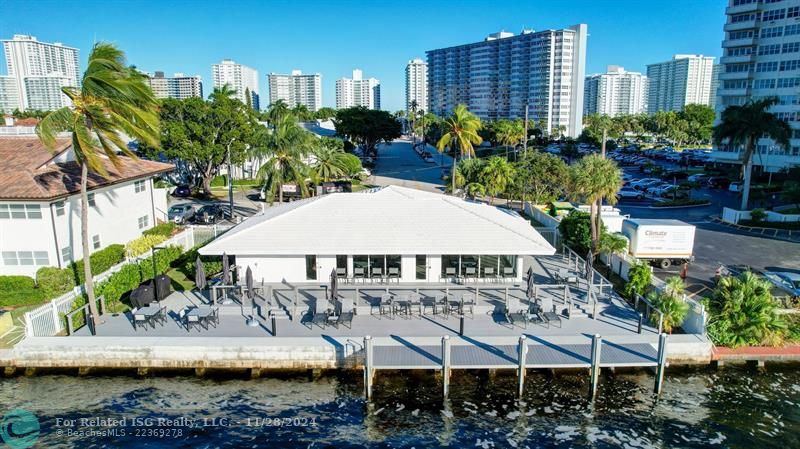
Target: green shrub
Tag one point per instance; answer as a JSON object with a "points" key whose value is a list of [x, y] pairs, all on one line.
{"points": [[54, 281], [101, 261], [19, 291], [185, 264], [639, 277], [758, 215], [16, 282], [575, 229], [143, 244], [121, 282], [165, 229], [790, 225], [681, 202]]}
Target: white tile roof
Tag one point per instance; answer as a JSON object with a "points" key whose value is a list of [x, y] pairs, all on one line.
{"points": [[389, 220]]}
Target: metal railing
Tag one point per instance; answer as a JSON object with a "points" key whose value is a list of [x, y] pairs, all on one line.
{"points": [[83, 313], [648, 310]]}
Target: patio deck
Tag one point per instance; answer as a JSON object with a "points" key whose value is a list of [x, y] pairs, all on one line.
{"points": [[614, 315]]}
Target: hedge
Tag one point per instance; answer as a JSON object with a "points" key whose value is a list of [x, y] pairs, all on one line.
{"points": [[682, 202], [55, 281], [19, 290], [101, 261], [131, 275], [165, 229], [789, 225], [144, 243], [185, 264]]}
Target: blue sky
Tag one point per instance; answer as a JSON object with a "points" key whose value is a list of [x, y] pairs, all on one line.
{"points": [[333, 37]]}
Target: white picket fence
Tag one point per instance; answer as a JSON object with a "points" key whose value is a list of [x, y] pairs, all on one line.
{"points": [[45, 320]]}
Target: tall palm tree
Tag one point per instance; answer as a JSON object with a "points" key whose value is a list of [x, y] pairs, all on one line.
{"points": [[496, 176], [593, 179], [412, 113], [743, 126], [277, 111], [113, 99], [226, 92], [285, 150], [330, 164], [460, 133], [613, 244]]}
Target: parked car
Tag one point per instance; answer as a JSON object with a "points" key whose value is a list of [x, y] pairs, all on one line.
{"points": [[180, 213], [671, 192], [719, 182], [628, 193], [735, 187], [182, 191], [209, 214], [653, 188], [786, 281], [642, 183], [699, 178], [679, 175]]}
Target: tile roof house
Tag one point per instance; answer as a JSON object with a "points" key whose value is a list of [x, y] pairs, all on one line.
{"points": [[40, 207]]}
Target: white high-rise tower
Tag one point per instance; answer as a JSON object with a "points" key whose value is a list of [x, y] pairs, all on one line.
{"points": [[357, 91], [296, 89], [615, 92], [240, 78], [417, 84]]}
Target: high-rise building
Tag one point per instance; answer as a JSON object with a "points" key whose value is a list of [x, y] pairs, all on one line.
{"points": [[497, 77], [9, 99], [179, 86], [240, 78], [357, 91], [685, 79], [714, 86], [38, 70], [615, 92], [296, 89], [761, 58], [417, 84]]}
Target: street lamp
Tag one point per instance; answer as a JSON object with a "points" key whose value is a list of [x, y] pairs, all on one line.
{"points": [[230, 178]]}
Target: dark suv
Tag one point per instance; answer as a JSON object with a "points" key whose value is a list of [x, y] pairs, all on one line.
{"points": [[719, 182]]}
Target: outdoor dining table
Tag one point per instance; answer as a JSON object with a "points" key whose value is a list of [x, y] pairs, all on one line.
{"points": [[148, 314], [203, 314]]}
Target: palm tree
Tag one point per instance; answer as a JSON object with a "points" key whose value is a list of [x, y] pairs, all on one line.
{"points": [[613, 244], [286, 148], [277, 111], [330, 164], [743, 126], [226, 92], [744, 312], [113, 99], [412, 113], [593, 179], [496, 176], [673, 310], [460, 133]]}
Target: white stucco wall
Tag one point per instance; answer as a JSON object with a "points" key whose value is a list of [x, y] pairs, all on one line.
{"points": [[114, 218]]}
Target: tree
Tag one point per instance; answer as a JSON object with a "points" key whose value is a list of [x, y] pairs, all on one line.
{"points": [[412, 113], [612, 244], [672, 307], [351, 165], [699, 120], [329, 164], [791, 193], [368, 127], [540, 175], [575, 230], [277, 111], [460, 133], [496, 176], [509, 132], [285, 149], [743, 126], [325, 113], [594, 179], [113, 99], [639, 277], [743, 312], [248, 99], [302, 113], [597, 124], [205, 133]]}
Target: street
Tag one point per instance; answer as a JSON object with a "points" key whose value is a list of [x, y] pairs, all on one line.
{"points": [[398, 164]]}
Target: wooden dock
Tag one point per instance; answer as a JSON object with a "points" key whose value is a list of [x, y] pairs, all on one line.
{"points": [[466, 353]]}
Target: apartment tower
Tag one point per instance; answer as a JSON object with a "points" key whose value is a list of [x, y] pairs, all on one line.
{"points": [[296, 89]]}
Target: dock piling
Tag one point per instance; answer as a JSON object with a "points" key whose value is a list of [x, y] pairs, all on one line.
{"points": [[446, 365], [522, 358], [368, 367], [461, 323], [639, 327], [662, 361], [597, 342]]}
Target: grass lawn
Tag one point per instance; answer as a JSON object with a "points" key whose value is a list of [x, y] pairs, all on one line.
{"points": [[360, 187], [179, 281]]}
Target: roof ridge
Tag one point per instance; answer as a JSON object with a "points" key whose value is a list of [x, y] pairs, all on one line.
{"points": [[450, 200]]}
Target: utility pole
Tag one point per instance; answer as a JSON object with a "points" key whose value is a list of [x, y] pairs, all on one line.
{"points": [[230, 178], [525, 139]]}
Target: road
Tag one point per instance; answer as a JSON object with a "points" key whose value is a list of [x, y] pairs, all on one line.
{"points": [[398, 164]]}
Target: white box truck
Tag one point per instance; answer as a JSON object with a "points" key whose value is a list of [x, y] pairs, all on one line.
{"points": [[662, 242]]}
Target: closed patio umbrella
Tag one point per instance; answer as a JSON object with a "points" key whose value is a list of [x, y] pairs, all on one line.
{"points": [[226, 270], [588, 267], [251, 295], [531, 283], [334, 285], [199, 274]]}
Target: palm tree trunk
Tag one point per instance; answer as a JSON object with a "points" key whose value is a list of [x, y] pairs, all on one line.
{"points": [[87, 265], [593, 224], [280, 193], [748, 171]]}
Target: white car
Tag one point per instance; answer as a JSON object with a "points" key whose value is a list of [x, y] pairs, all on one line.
{"points": [[642, 183], [630, 194]]}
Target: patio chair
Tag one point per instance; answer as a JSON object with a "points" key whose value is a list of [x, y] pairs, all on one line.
{"points": [[161, 316], [358, 273], [377, 273], [561, 275], [470, 273], [139, 319], [535, 312], [386, 305], [341, 274], [489, 274], [515, 313], [322, 311], [213, 319], [450, 273], [508, 274], [394, 273], [468, 304], [191, 320], [415, 302], [429, 302], [548, 311], [346, 311]]}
